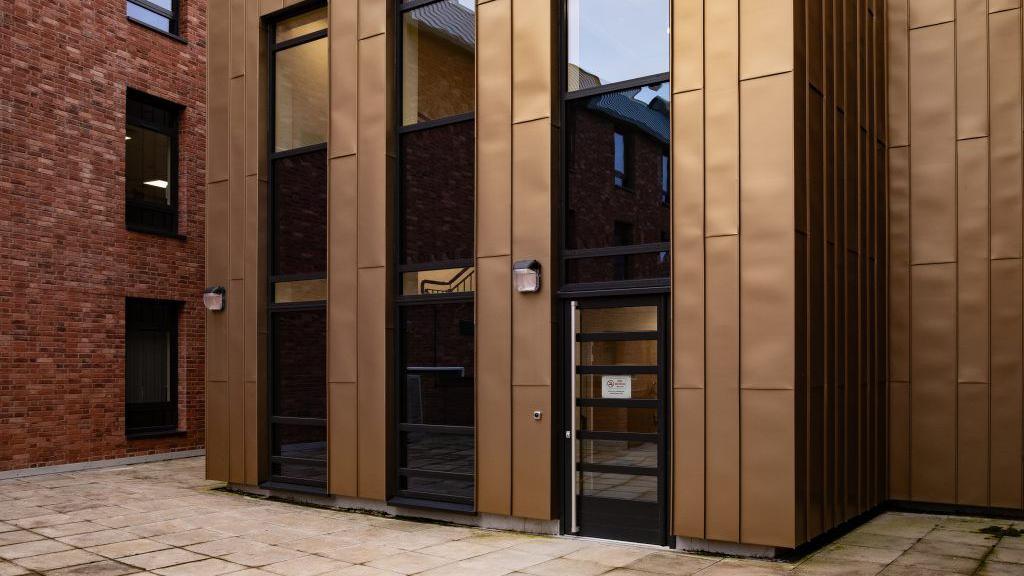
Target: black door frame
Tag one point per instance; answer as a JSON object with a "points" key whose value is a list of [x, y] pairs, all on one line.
{"points": [[567, 405]]}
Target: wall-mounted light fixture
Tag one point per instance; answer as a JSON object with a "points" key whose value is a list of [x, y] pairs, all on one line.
{"points": [[526, 276], [213, 298]]}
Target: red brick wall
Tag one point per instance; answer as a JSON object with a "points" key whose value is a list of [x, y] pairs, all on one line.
{"points": [[66, 261]]}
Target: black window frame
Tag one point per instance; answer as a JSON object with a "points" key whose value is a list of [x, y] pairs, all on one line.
{"points": [[272, 480], [135, 208], [397, 495], [173, 17], [164, 413]]}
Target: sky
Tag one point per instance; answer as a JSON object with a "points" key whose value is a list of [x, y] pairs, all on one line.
{"points": [[619, 39]]}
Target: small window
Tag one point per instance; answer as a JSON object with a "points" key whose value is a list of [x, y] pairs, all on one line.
{"points": [[151, 366], [666, 182], [622, 154], [151, 158], [438, 55], [161, 15]]}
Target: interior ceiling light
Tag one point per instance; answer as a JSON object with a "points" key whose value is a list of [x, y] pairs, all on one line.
{"points": [[157, 183]]}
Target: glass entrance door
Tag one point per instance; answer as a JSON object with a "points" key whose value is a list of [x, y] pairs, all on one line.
{"points": [[617, 436]]}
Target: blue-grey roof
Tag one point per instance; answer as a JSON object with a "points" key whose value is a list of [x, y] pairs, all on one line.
{"points": [[652, 118], [450, 19]]}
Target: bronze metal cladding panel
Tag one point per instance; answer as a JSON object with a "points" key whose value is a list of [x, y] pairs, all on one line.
{"points": [[687, 45], [933, 133], [971, 68], [933, 389], [237, 176], [236, 383], [688, 238], [236, 39], [1005, 62], [531, 452], [341, 255], [531, 58], [342, 439], [688, 455], [999, 5], [1007, 373], [531, 239], [768, 468], [218, 130], [494, 384], [972, 260], [255, 93], [372, 380], [928, 12], [972, 445], [254, 298], [372, 17], [899, 73], [899, 264], [253, 423], [268, 6], [372, 157], [494, 129], [344, 64], [723, 418], [766, 37], [722, 117], [768, 241], [218, 209], [217, 433], [899, 440]]}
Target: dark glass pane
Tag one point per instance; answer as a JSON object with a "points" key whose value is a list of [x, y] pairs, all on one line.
{"points": [[437, 194], [611, 268], [619, 486], [605, 419], [150, 365], [302, 24], [438, 45], [165, 4], [641, 386], [300, 363], [306, 442], [439, 452], [147, 176], [613, 41], [618, 353], [148, 17], [314, 473], [443, 281], [300, 291], [619, 453], [438, 364], [439, 487], [616, 194], [622, 319], [300, 214], [300, 96]]}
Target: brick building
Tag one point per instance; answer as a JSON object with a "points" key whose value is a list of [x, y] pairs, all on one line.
{"points": [[102, 172]]}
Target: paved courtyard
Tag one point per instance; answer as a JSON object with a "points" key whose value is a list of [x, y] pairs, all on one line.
{"points": [[163, 518]]}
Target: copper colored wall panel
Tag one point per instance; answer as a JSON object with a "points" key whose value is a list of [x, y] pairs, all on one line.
{"points": [[341, 257], [971, 68], [494, 129], [218, 118], [899, 264], [218, 244], [897, 47], [217, 434], [972, 445], [344, 54], [494, 384], [688, 240], [928, 12], [342, 434], [1005, 62], [687, 45], [372, 393], [723, 416], [767, 241], [372, 157], [933, 134], [372, 17], [768, 467], [899, 440], [688, 457], [933, 389], [531, 453], [722, 117], [532, 41], [1007, 374], [973, 261], [1000, 5], [766, 37]]}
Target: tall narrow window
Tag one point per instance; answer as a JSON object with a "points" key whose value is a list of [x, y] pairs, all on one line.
{"points": [[151, 366], [617, 137], [436, 416], [151, 159], [298, 251], [159, 14]]}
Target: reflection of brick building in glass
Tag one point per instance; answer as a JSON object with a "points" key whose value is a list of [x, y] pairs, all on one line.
{"points": [[618, 182]]}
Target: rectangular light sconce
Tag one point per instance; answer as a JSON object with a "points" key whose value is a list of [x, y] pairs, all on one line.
{"points": [[526, 276]]}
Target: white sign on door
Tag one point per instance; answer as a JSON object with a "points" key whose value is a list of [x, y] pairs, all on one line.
{"points": [[616, 387]]}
